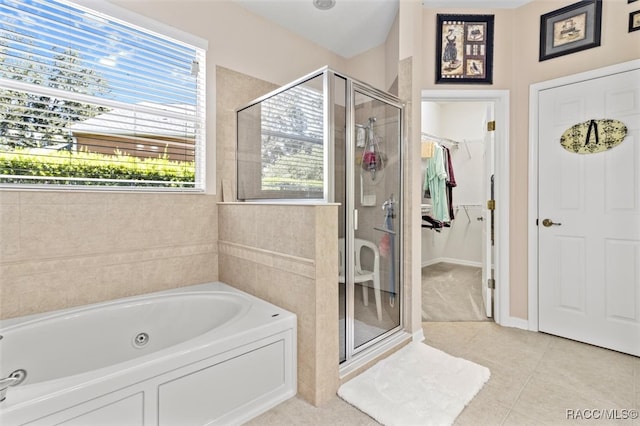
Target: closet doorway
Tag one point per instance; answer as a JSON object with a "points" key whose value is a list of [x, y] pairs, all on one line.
{"points": [[459, 236]]}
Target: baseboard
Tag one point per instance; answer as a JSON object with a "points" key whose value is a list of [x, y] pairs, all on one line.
{"points": [[515, 323], [430, 262], [418, 336], [451, 260]]}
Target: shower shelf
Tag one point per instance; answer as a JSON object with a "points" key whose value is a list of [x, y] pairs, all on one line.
{"points": [[383, 229]]}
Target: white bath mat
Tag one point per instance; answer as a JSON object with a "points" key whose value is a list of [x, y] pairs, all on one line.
{"points": [[418, 385]]}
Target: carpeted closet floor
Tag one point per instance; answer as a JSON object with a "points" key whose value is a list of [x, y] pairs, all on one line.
{"points": [[452, 292]]}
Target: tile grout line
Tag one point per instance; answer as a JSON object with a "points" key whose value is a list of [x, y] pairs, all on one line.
{"points": [[526, 383]]}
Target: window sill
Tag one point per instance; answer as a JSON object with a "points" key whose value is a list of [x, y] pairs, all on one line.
{"points": [[278, 203], [105, 189]]}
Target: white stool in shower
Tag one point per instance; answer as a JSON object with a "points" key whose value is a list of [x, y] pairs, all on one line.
{"points": [[363, 275]]}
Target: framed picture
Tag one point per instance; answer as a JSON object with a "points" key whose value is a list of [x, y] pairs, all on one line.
{"points": [[464, 49], [634, 21], [571, 29]]}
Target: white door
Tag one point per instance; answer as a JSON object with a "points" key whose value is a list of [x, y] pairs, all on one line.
{"points": [[589, 259], [487, 230]]}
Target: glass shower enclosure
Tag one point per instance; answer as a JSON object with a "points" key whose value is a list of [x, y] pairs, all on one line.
{"points": [[329, 137]]}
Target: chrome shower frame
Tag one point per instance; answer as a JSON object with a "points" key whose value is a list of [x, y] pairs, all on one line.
{"points": [[355, 357]]}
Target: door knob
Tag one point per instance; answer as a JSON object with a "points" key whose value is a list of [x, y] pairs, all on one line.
{"points": [[549, 222]]}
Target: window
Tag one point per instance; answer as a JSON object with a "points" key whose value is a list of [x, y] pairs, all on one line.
{"points": [[281, 145], [88, 99]]}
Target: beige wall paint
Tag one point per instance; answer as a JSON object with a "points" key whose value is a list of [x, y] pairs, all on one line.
{"points": [[392, 55], [502, 48], [516, 67], [239, 39], [370, 64], [410, 70], [378, 67], [245, 42]]}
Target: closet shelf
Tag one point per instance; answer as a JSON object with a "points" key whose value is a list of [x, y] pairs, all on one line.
{"points": [[466, 208], [454, 144]]}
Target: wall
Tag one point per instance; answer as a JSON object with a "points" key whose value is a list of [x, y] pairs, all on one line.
{"points": [[365, 63], [516, 67], [410, 71], [378, 66], [503, 59], [233, 90], [63, 249], [392, 47], [239, 39], [286, 254]]}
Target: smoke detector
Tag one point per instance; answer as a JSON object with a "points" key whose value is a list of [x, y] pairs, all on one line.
{"points": [[324, 4]]}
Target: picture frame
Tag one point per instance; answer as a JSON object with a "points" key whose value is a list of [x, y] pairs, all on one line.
{"points": [[634, 21], [464, 49], [570, 29]]}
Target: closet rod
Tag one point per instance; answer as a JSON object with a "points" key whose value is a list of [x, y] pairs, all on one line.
{"points": [[455, 144], [440, 139], [466, 208]]}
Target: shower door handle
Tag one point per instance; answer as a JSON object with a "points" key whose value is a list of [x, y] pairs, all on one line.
{"points": [[355, 219]]}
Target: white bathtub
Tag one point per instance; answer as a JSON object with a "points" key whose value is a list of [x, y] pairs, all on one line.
{"points": [[213, 355]]}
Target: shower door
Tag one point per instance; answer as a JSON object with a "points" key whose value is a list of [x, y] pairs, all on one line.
{"points": [[371, 238]]}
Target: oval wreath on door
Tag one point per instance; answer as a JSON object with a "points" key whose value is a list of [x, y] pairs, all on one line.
{"points": [[593, 136]]}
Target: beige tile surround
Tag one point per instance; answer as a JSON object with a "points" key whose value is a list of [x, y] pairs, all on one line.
{"points": [[233, 90], [286, 255], [270, 250], [68, 248]]}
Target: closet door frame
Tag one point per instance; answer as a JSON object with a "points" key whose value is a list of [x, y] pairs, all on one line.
{"points": [[500, 101]]}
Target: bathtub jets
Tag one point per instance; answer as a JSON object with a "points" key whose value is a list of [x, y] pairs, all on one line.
{"points": [[194, 355]]}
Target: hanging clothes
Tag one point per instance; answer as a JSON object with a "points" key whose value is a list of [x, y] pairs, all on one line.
{"points": [[435, 182], [451, 182]]}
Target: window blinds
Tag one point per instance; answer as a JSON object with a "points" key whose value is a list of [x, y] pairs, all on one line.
{"points": [[281, 145], [292, 141], [87, 99]]}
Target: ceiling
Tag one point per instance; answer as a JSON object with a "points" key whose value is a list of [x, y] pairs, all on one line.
{"points": [[351, 27]]}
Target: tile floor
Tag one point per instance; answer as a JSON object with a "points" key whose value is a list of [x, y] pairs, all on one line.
{"points": [[535, 379]]}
